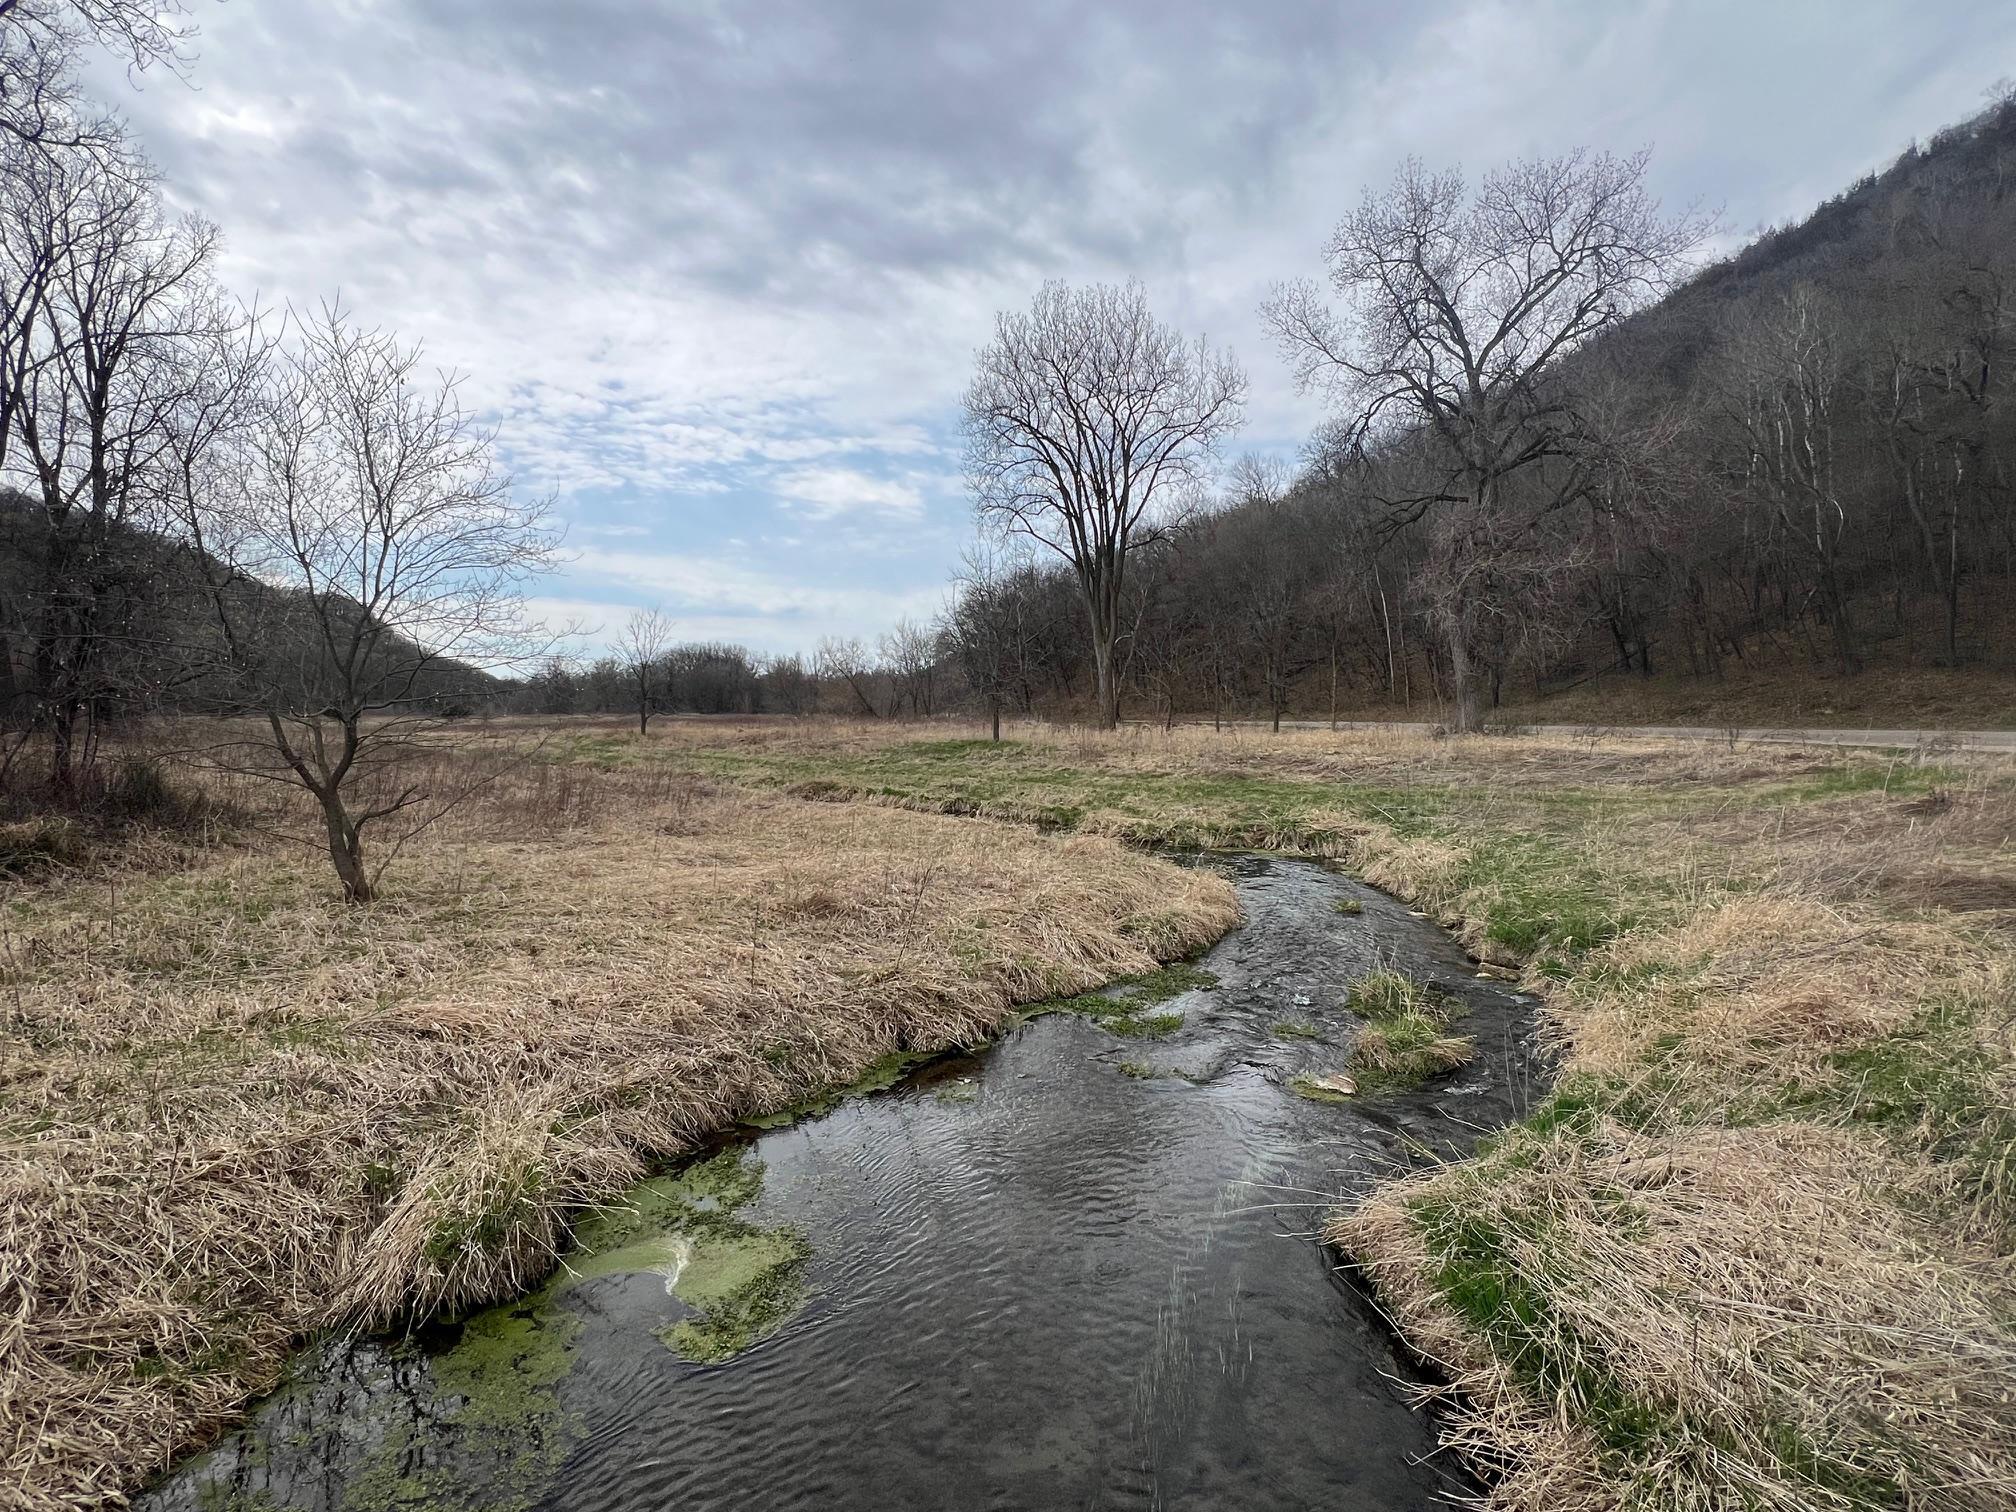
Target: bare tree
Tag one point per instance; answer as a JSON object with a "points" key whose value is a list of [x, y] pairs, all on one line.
{"points": [[41, 42], [1264, 540], [1086, 421], [981, 626], [844, 661], [788, 687], [371, 501], [1460, 313], [1792, 365], [104, 306], [641, 648], [911, 653]]}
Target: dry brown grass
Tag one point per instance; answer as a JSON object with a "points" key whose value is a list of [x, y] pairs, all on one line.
{"points": [[1757, 1320], [1760, 1250], [1758, 1255], [1598, 759], [236, 1111]]}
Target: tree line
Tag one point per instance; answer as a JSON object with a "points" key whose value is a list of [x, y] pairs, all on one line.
{"points": [[1558, 447]]}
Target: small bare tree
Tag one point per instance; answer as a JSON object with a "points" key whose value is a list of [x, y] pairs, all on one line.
{"points": [[1460, 313], [365, 557], [844, 662], [641, 647], [1087, 420], [981, 627], [911, 653]]}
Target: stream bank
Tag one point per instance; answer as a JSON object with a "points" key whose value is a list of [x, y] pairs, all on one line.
{"points": [[1076, 1268]]}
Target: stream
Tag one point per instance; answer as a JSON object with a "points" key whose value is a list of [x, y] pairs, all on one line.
{"points": [[1075, 1269]]}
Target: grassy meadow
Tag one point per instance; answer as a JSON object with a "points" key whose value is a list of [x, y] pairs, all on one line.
{"points": [[1754, 1252], [1758, 1249], [236, 1111]]}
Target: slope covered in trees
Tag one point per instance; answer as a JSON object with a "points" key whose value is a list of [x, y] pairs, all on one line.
{"points": [[1804, 466]]}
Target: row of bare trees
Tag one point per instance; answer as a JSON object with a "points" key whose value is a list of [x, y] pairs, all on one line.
{"points": [[909, 672], [1556, 448], [287, 519]]}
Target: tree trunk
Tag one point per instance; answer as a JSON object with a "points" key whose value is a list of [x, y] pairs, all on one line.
{"points": [[1463, 685], [346, 850], [63, 741], [994, 708], [1107, 698]]}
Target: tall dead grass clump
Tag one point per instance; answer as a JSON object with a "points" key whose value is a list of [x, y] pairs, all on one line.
{"points": [[1704, 1322], [1756, 1250]]}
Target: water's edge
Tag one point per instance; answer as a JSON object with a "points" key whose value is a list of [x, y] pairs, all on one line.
{"points": [[1058, 1270]]}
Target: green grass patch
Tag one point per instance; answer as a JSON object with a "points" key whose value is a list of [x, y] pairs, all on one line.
{"points": [[1309, 1087], [1404, 1040], [1936, 1087]]}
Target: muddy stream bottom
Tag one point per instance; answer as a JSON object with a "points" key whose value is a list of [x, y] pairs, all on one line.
{"points": [[1074, 1270]]}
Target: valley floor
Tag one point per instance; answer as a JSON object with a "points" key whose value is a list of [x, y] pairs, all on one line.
{"points": [[1758, 1249], [1755, 1250]]}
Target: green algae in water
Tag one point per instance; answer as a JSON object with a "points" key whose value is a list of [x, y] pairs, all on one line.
{"points": [[880, 1075], [1119, 1009], [743, 1281], [507, 1366], [491, 1432], [745, 1287], [1145, 1026]]}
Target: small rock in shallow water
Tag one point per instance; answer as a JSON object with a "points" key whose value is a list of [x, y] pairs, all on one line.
{"points": [[1332, 1087]]}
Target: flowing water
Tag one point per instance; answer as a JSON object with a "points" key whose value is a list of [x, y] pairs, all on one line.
{"points": [[1074, 1270]]}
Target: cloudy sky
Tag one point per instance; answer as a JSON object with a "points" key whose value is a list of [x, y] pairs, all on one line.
{"points": [[718, 270]]}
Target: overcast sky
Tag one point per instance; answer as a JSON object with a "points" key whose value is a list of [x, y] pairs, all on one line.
{"points": [[718, 270]]}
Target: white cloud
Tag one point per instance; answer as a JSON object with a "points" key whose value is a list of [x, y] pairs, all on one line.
{"points": [[822, 493], [686, 581]]}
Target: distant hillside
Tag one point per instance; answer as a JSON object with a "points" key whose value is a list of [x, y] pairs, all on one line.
{"points": [[1823, 496], [1893, 216], [141, 600]]}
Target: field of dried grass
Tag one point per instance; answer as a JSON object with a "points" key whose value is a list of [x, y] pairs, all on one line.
{"points": [[234, 1111], [1758, 1251]]}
